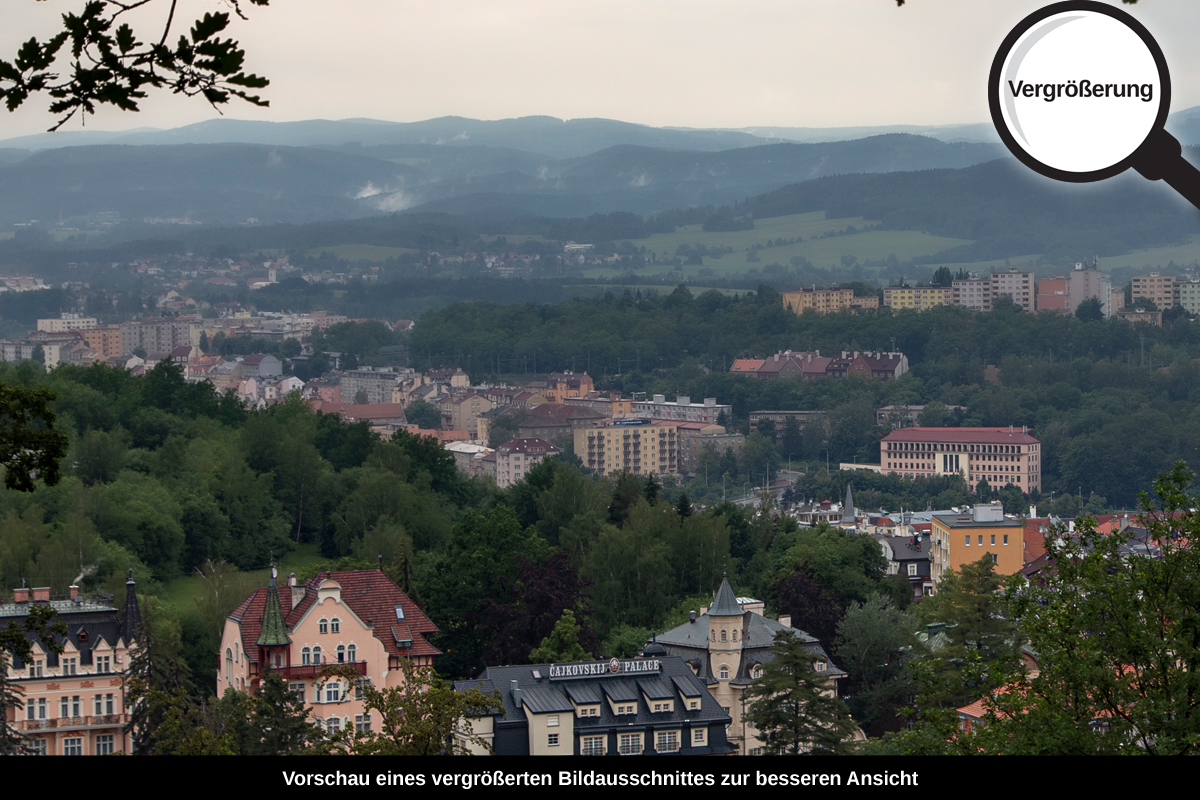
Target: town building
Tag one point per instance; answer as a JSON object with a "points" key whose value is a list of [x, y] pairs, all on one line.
{"points": [[557, 423], [1052, 294], [1087, 281], [963, 538], [811, 365], [974, 293], [652, 704], [358, 620], [998, 455], [66, 321], [819, 301], [517, 456], [371, 384], [1136, 315], [918, 298], [728, 645], [74, 701], [909, 556], [1160, 289], [461, 412], [694, 445], [1020, 286], [682, 409], [1187, 293], [636, 446]]}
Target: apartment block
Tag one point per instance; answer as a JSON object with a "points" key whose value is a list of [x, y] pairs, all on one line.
{"points": [[974, 293], [636, 446], [959, 539], [1187, 294], [1052, 294], [66, 322], [1155, 287], [1017, 285], [821, 301], [917, 298], [1087, 281], [682, 409]]}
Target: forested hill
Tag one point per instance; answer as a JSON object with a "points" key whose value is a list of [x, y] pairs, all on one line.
{"points": [[1006, 208]]}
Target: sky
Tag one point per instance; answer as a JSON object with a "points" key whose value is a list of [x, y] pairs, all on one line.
{"points": [[687, 63]]}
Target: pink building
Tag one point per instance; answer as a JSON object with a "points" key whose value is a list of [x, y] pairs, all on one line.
{"points": [[74, 702], [1001, 456], [516, 457], [358, 619]]}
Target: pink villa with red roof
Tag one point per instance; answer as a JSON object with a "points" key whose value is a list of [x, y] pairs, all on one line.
{"points": [[358, 619], [998, 455]]}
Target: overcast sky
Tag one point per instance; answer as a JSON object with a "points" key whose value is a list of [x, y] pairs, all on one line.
{"points": [[695, 63]]}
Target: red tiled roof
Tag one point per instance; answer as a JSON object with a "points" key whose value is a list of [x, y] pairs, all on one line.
{"points": [[746, 365], [369, 593], [961, 436]]}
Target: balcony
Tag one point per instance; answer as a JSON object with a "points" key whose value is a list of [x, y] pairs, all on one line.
{"points": [[311, 671], [72, 723]]}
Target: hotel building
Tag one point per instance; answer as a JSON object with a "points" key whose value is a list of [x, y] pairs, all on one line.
{"points": [[998, 455]]}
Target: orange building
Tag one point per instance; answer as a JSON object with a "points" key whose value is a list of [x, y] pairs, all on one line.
{"points": [[74, 703], [959, 539], [359, 619]]}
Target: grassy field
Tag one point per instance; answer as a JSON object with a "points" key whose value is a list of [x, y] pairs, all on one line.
{"points": [[183, 593], [1181, 254], [361, 252], [822, 251]]}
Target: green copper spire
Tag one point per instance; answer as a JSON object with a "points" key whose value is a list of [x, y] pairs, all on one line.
{"points": [[273, 632], [725, 604]]}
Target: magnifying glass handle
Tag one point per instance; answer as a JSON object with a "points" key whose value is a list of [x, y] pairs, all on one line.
{"points": [[1161, 158]]}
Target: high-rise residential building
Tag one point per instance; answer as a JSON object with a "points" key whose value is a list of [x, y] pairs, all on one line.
{"points": [[636, 446], [1017, 285], [1158, 288], [1187, 292], [1087, 281], [974, 293], [517, 456], [1001, 456], [73, 702], [66, 322]]}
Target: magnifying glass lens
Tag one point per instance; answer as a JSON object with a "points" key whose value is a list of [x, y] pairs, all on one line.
{"points": [[1078, 93]]}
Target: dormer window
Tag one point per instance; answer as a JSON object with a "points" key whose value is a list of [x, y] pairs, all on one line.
{"points": [[323, 626], [757, 671], [819, 666]]}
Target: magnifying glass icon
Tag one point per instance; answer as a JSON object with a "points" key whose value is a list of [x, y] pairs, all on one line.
{"points": [[1079, 91]]}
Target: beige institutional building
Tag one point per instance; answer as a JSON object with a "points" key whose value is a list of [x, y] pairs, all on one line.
{"points": [[727, 647], [998, 455]]}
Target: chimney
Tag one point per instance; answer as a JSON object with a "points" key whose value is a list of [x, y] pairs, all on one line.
{"points": [[41, 595], [703, 610], [692, 617], [785, 620], [74, 592], [21, 595], [516, 692]]}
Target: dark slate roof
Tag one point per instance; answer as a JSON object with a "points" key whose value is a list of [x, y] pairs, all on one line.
{"points": [[86, 627], [725, 604], [675, 678]]}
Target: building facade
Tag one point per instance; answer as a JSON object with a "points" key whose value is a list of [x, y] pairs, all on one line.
{"points": [[1020, 286], [74, 701], [959, 539], [648, 705], [358, 620], [682, 409], [820, 301], [917, 298], [1001, 456], [1161, 289], [727, 647], [636, 446], [517, 456]]}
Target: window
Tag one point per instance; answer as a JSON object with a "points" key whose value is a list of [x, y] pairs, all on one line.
{"points": [[335, 626], [722, 636], [35, 669], [76, 707], [698, 735], [37, 746], [592, 746], [693, 705], [228, 664], [299, 690], [1006, 538], [41, 708], [333, 725], [968, 540], [98, 705], [333, 693], [104, 745], [323, 626], [317, 654], [819, 666], [341, 654], [981, 540], [912, 569], [108, 704], [667, 742], [359, 683], [552, 721], [63, 707], [306, 656], [30, 709], [73, 746], [362, 723], [352, 654], [69, 666], [993, 538], [724, 672], [756, 671], [993, 558], [629, 744], [552, 740], [103, 664]]}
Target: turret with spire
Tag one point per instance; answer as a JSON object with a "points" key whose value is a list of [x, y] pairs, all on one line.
{"points": [[848, 508], [131, 625], [274, 644]]}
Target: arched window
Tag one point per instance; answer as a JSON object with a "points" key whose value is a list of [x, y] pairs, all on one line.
{"points": [[335, 626], [352, 654], [714, 636], [323, 626], [228, 664], [306, 656], [722, 636], [735, 634], [341, 654], [724, 672], [317, 654]]}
